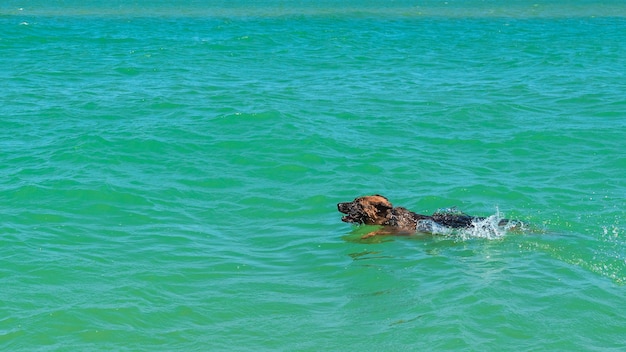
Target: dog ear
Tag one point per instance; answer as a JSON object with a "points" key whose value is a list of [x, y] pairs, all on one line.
{"points": [[383, 207], [383, 203]]}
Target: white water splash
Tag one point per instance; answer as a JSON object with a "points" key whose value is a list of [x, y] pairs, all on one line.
{"points": [[429, 226], [487, 228], [490, 227]]}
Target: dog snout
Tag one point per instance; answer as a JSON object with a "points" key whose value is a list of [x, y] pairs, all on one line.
{"points": [[343, 207]]}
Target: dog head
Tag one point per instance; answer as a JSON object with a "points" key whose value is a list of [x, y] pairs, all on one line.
{"points": [[368, 210]]}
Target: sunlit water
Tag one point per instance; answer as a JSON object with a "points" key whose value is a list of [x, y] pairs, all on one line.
{"points": [[170, 175]]}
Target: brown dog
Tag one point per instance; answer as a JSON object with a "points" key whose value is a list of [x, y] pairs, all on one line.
{"points": [[377, 210]]}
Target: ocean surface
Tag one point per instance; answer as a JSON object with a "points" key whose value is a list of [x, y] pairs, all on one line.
{"points": [[169, 173]]}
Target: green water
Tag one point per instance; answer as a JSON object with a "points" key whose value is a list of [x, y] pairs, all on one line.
{"points": [[170, 172]]}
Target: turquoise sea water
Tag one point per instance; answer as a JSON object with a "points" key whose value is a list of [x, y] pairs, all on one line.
{"points": [[170, 172]]}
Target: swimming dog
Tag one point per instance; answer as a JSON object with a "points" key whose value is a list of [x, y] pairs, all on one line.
{"points": [[377, 210]]}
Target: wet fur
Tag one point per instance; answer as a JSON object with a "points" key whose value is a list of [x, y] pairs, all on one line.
{"points": [[377, 210]]}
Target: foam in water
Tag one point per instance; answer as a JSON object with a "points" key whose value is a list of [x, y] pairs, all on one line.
{"points": [[490, 228]]}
